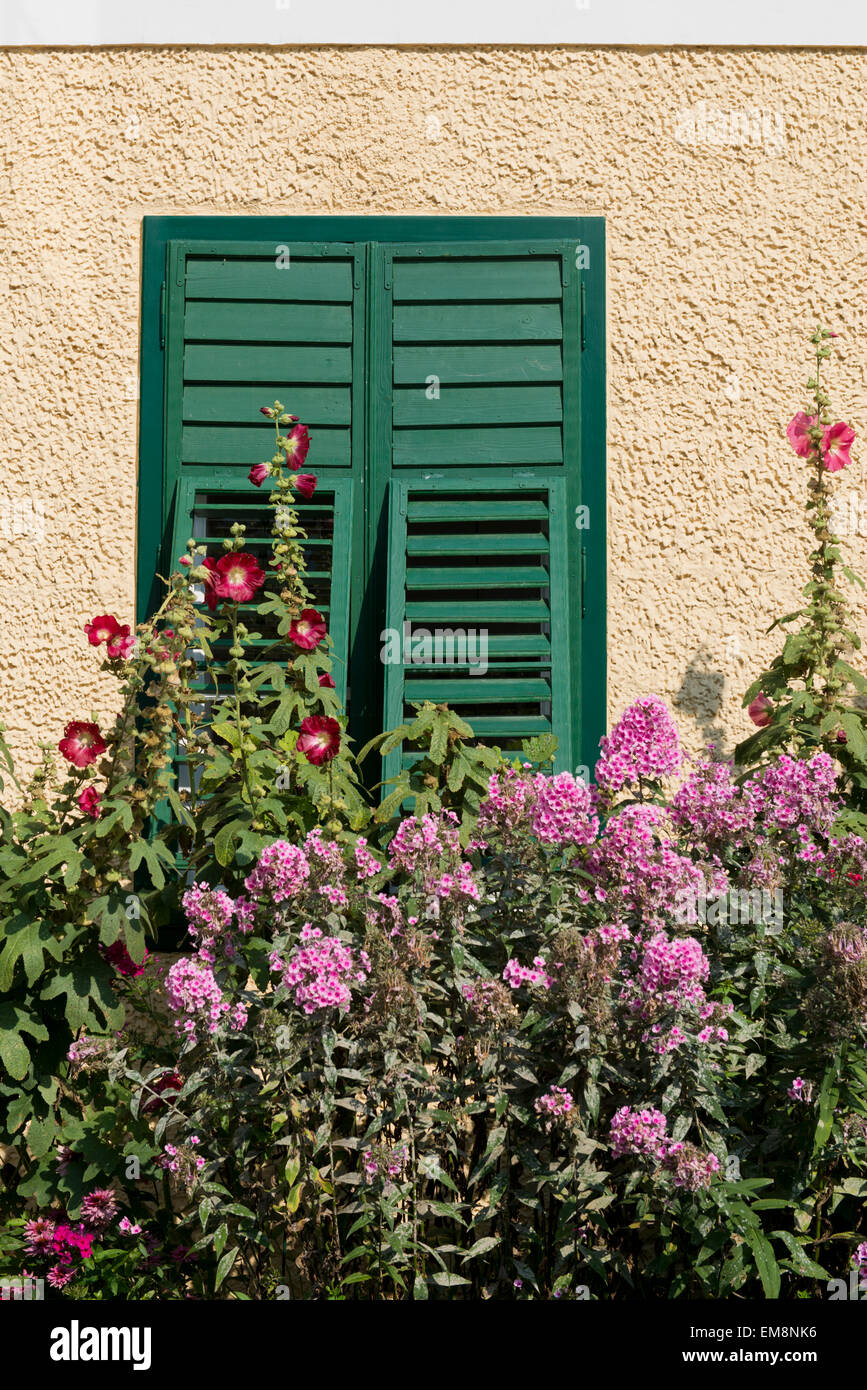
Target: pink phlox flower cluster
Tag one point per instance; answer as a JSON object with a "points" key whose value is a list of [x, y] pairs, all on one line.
{"points": [[638, 1132], [210, 913], [385, 1161], [319, 971], [792, 792], [327, 867], [197, 1000], [516, 975], [367, 864], [128, 1228], [555, 1103], [388, 915], [428, 848], [505, 810], [711, 807], [691, 1168], [281, 872], [801, 1090], [674, 969], [646, 876], [643, 744], [563, 810]]}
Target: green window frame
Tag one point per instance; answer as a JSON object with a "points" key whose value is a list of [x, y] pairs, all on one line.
{"points": [[509, 314]]}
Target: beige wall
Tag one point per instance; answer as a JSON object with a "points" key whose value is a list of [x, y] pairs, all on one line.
{"points": [[720, 260]]}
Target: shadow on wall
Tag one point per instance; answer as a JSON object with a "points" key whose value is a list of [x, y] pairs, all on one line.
{"points": [[701, 697]]}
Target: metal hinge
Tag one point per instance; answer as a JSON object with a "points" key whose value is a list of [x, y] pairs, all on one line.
{"points": [[583, 316], [163, 315]]}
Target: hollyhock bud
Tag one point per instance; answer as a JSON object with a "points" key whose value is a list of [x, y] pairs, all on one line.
{"points": [[266, 410], [797, 431], [305, 483], [760, 711], [287, 419], [89, 800], [319, 739], [327, 681], [837, 440], [308, 630], [258, 473], [185, 560], [82, 743]]}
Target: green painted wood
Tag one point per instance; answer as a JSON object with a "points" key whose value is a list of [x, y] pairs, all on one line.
{"points": [[488, 364], [234, 363], [244, 444], [476, 690], [488, 322], [316, 405], [468, 509], [466, 448], [478, 577], [326, 281], [247, 322], [524, 279], [496, 543], [478, 405]]}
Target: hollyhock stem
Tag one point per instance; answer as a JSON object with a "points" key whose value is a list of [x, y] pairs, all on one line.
{"points": [[239, 724]]}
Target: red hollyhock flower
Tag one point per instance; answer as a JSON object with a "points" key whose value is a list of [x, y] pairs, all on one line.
{"points": [[258, 473], [308, 630], [305, 483], [121, 644], [211, 598], [89, 801], [102, 629], [797, 431], [319, 739], [238, 577], [118, 956], [168, 1081], [297, 444], [760, 711], [836, 443], [82, 743], [327, 680]]}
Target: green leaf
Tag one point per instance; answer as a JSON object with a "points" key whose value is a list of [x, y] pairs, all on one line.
{"points": [[225, 1265], [221, 1235], [766, 1263], [800, 1259]]}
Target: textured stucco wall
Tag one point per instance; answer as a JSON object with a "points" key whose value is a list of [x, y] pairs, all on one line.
{"points": [[721, 256]]}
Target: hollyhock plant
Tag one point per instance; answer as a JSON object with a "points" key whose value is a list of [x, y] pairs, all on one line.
{"points": [[238, 577], [319, 739], [297, 446], [102, 629], [837, 440], [122, 645], [761, 710], [88, 800], [82, 743], [308, 630], [798, 431], [305, 483]]}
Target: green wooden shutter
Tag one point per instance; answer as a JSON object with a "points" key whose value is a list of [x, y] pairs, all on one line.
{"points": [[488, 556], [482, 437], [248, 323]]}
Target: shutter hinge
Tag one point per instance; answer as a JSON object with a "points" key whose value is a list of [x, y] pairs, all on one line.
{"points": [[163, 315], [583, 579], [583, 316]]}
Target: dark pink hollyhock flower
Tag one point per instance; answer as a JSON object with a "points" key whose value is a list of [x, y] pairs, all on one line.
{"points": [[798, 436], [327, 681], [117, 955], [308, 630], [238, 577], [211, 596], [760, 711], [258, 473], [121, 644], [836, 443], [319, 739], [305, 483], [82, 743], [102, 629], [297, 444], [89, 801]]}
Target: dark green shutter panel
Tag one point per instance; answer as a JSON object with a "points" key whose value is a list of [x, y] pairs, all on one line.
{"points": [[483, 436], [484, 557], [248, 323]]}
